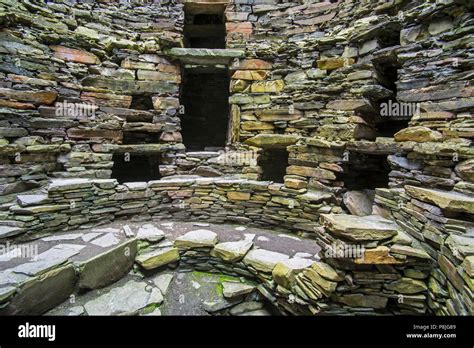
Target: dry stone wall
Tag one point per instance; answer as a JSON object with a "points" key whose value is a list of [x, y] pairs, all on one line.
{"points": [[362, 96]]}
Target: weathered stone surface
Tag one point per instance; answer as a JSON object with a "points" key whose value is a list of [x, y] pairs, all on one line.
{"points": [[285, 271], [325, 286], [311, 172], [407, 286], [468, 266], [232, 251], [326, 271], [354, 228], [264, 260], [377, 256], [205, 56], [43, 292], [419, 134], [156, 258], [363, 300], [150, 233], [91, 134], [127, 299], [238, 196], [254, 64], [36, 97], [162, 282], [359, 202], [334, 63], [449, 200], [272, 141], [107, 267], [74, 55], [234, 289], [409, 251], [196, 239], [465, 170], [8, 231]]}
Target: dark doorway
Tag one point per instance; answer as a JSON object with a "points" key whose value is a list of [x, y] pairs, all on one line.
{"points": [[133, 168], [204, 30], [205, 96], [365, 171], [273, 164]]}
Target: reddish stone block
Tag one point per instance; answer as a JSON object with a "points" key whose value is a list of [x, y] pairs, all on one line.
{"points": [[74, 55], [240, 27]]}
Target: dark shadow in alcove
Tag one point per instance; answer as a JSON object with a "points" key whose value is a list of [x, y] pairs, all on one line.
{"points": [[365, 171], [139, 167], [388, 125], [273, 164], [204, 30], [205, 96], [141, 102], [133, 138]]}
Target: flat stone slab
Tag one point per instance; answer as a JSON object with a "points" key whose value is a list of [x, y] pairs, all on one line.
{"points": [[234, 289], [205, 55], [232, 251], [409, 251], [8, 231], [150, 233], [59, 185], [70, 236], [27, 200], [264, 260], [449, 200], [127, 299], [49, 259], [109, 266], [157, 258], [105, 241], [272, 141], [136, 186], [196, 239], [163, 281], [359, 228]]}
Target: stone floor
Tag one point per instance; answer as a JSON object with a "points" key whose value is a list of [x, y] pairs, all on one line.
{"points": [[169, 292]]}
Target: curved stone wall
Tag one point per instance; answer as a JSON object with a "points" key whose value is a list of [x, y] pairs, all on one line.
{"points": [[308, 78]]}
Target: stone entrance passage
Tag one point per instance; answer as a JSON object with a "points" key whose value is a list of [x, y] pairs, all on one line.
{"points": [[205, 95], [273, 164], [135, 167]]}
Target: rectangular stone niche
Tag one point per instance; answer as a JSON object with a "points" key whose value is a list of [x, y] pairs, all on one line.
{"points": [[204, 25], [205, 96], [132, 167], [365, 171], [273, 164]]}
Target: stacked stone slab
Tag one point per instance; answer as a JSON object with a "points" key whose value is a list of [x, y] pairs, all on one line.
{"points": [[306, 78], [439, 222], [72, 203]]}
